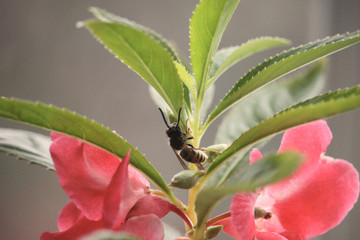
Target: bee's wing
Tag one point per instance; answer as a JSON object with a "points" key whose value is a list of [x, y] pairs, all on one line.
{"points": [[180, 159]]}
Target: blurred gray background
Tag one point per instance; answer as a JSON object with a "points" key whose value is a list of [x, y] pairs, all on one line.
{"points": [[44, 57]]}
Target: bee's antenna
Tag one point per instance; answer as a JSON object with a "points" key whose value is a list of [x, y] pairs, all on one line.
{"points": [[178, 117], [164, 118]]}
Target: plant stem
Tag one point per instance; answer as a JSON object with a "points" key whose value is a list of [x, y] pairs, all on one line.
{"points": [[197, 134], [218, 218]]}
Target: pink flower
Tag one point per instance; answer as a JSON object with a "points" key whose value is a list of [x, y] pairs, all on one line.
{"points": [[310, 202], [105, 193]]}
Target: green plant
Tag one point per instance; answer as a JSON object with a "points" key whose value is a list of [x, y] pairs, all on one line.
{"points": [[179, 86]]}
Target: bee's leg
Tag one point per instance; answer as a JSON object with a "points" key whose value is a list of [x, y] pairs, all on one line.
{"points": [[208, 150], [187, 132], [190, 145], [187, 128], [180, 160], [200, 166]]}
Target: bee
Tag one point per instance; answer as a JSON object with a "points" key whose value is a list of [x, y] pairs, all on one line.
{"points": [[178, 143]]}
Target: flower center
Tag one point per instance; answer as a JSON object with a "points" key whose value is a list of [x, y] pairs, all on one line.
{"points": [[261, 213]]}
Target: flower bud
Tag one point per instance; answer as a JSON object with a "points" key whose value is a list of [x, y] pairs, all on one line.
{"points": [[213, 231], [214, 151], [186, 179]]}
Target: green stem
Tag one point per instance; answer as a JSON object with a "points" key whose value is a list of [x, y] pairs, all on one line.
{"points": [[171, 197], [197, 134]]}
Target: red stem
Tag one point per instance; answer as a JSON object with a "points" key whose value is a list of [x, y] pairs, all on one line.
{"points": [[218, 219]]}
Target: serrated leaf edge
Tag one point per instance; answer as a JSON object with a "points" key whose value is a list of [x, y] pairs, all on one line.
{"points": [[158, 86], [255, 72]]}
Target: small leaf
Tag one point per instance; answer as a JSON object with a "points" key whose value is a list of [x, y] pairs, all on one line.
{"points": [[280, 65], [186, 78], [207, 101], [144, 54], [72, 124], [26, 145], [268, 170], [323, 106], [189, 82], [207, 26], [227, 57]]}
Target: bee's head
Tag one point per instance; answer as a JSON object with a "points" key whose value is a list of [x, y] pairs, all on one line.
{"points": [[173, 129]]}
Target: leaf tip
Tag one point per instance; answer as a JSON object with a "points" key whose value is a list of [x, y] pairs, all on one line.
{"points": [[80, 24], [93, 9]]}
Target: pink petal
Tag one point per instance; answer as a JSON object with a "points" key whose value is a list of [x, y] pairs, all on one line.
{"points": [[81, 228], [321, 202], [55, 135], [292, 236], [151, 204], [255, 155], [82, 184], [229, 228], [85, 172], [242, 214], [265, 201], [68, 216], [137, 180], [311, 140], [121, 196], [102, 164], [115, 192], [148, 227], [269, 236]]}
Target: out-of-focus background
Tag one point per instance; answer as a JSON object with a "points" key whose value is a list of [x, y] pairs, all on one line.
{"points": [[44, 57]]}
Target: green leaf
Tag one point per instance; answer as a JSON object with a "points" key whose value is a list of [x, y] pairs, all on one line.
{"points": [[157, 99], [280, 65], [226, 171], [323, 106], [26, 145], [267, 101], [268, 170], [207, 26], [72, 124], [186, 78], [105, 16], [258, 107], [189, 84], [227, 57], [207, 101], [144, 54], [187, 99], [272, 168]]}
